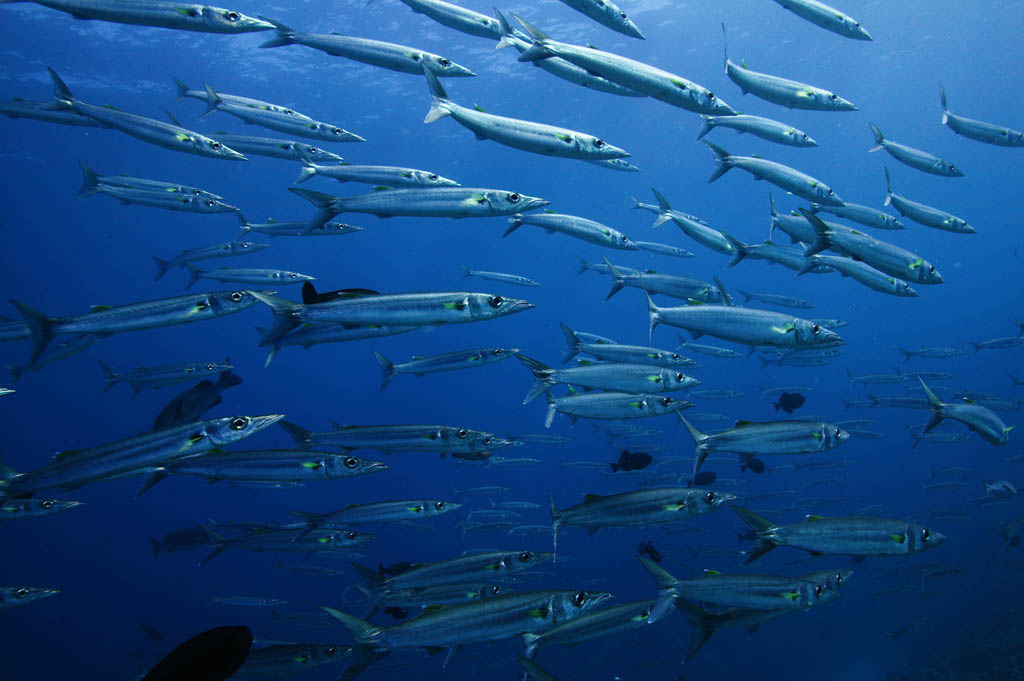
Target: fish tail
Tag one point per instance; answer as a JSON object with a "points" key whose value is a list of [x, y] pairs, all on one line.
{"points": [[653, 316], [514, 223], [109, 375], [707, 124], [584, 266], [906, 355], [821, 240], [772, 216], [156, 546], [16, 372], [312, 521], [151, 479], [722, 159], [667, 592], [945, 106], [663, 203], [90, 183], [556, 525], [977, 346], [62, 97], [285, 316], [212, 100], [375, 583], [572, 341], [879, 138], [740, 249], [161, 267], [506, 30], [303, 438], [888, 188], [324, 203], [537, 50], [182, 89], [550, 416], [195, 274], [723, 294], [41, 328], [285, 35], [542, 377], [218, 542], [361, 630], [308, 169], [530, 641], [700, 623], [746, 296], [937, 412], [387, 370], [439, 100], [618, 281]]}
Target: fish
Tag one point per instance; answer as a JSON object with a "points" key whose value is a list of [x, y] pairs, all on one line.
{"points": [[280, 121], [924, 214], [56, 352], [538, 138], [626, 354], [577, 227], [534, 670], [790, 179], [213, 655], [788, 402], [400, 309], [185, 539], [391, 56], [516, 279], [765, 128], [249, 601], [659, 84], [610, 376], [978, 130], [853, 536], [828, 17], [691, 225], [710, 350], [774, 299], [749, 439], [145, 378], [286, 539], [12, 509], [457, 17], [276, 148], [607, 14], [241, 275], [167, 135], [93, 183], [459, 442], [639, 508], [183, 16], [390, 176], [277, 660], [184, 92], [611, 621], [11, 596], [221, 250], [716, 394], [611, 406], [655, 283], [791, 94], [106, 320], [275, 229], [314, 334], [631, 461], [998, 343], [441, 202], [864, 215], [860, 272], [449, 361], [979, 419], [189, 405], [915, 158], [664, 249], [375, 512], [154, 634], [37, 111]]}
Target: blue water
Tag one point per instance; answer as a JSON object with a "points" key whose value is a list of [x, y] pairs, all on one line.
{"points": [[62, 254]]}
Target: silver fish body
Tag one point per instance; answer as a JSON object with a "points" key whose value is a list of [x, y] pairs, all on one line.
{"points": [[607, 14], [790, 179], [980, 131], [915, 158], [184, 16], [577, 227], [924, 214], [829, 18], [612, 406], [765, 128]]}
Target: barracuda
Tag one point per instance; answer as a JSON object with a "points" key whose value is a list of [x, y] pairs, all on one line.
{"points": [[449, 361], [185, 16]]}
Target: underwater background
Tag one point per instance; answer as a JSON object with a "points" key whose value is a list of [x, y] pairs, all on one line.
{"points": [[62, 254]]}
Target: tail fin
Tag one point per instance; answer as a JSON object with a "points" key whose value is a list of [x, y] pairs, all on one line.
{"points": [[61, 94], [90, 183], [700, 442], [195, 274], [550, 416], [572, 341], [161, 267], [243, 225], [879, 138], [556, 524], [618, 281], [906, 355], [156, 546], [653, 317], [387, 370], [182, 89], [821, 240], [740, 249], [285, 35], [700, 622], [538, 50], [285, 316], [722, 160], [16, 372], [773, 216], [945, 107], [506, 31], [667, 591], [746, 296], [216, 540], [542, 377], [376, 592], [977, 346], [108, 374], [41, 328], [312, 521], [212, 100], [937, 413], [888, 188], [438, 97], [707, 124], [362, 631], [514, 223], [324, 204], [760, 525], [303, 438], [308, 166], [663, 203], [723, 294]]}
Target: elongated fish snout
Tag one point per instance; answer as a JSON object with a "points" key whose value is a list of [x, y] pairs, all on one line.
{"points": [[258, 423], [518, 305], [232, 155], [532, 202], [255, 24]]}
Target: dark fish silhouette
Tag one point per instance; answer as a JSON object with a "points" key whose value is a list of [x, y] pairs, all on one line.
{"points": [[394, 570], [190, 405], [789, 401], [181, 540], [704, 478], [647, 548], [213, 655], [753, 464], [396, 612], [152, 632], [310, 296], [631, 461]]}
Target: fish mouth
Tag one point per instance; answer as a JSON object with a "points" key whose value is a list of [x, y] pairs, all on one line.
{"points": [[531, 202], [257, 24], [232, 155], [350, 137], [258, 423], [519, 306], [612, 152], [377, 466]]}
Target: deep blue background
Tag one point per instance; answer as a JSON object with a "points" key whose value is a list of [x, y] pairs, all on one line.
{"points": [[62, 254]]}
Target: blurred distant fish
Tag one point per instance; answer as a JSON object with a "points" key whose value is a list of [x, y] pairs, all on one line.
{"points": [[783, 176], [185, 16], [979, 419], [314, 334], [26, 108], [213, 655], [56, 352], [204, 96], [631, 461], [221, 250], [1000, 488], [612, 406], [157, 377], [152, 632], [149, 192], [276, 148], [998, 343], [789, 401], [829, 18], [191, 404], [390, 176], [33, 508], [274, 228], [571, 225], [516, 279], [250, 275], [180, 540], [628, 354], [865, 215], [607, 14], [664, 249], [977, 130], [449, 361], [11, 596]]}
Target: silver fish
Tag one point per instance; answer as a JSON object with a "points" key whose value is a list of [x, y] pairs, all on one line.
{"points": [[184, 16]]}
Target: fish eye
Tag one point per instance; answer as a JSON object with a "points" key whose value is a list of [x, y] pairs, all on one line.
{"points": [[433, 177], [817, 591], [293, 275], [676, 357], [439, 505], [952, 167], [815, 328], [351, 462], [622, 14], [443, 61], [197, 192], [332, 651], [351, 535], [580, 598], [215, 146], [625, 238], [495, 590], [496, 301], [487, 440], [47, 504], [239, 423], [232, 16], [236, 297], [830, 192], [680, 377], [525, 557], [709, 497], [21, 593], [711, 96], [600, 143], [210, 203], [245, 244], [925, 533], [931, 269], [336, 131], [839, 578], [513, 198], [462, 433], [210, 367], [665, 401], [498, 352]]}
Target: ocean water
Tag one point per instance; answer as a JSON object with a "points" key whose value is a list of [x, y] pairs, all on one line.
{"points": [[63, 254]]}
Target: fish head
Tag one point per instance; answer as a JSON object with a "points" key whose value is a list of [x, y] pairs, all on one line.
{"points": [[322, 155], [663, 404], [343, 466], [677, 380], [800, 138], [811, 333], [700, 501], [594, 146], [901, 288], [443, 67], [286, 277], [16, 595], [925, 272], [433, 508], [341, 539], [833, 436], [507, 203], [207, 146], [231, 429], [210, 205], [53, 505], [229, 21], [427, 179], [920, 538], [524, 560], [501, 353], [488, 305], [710, 103], [227, 302], [336, 228], [568, 605], [326, 653], [240, 247], [952, 171], [825, 194]]}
